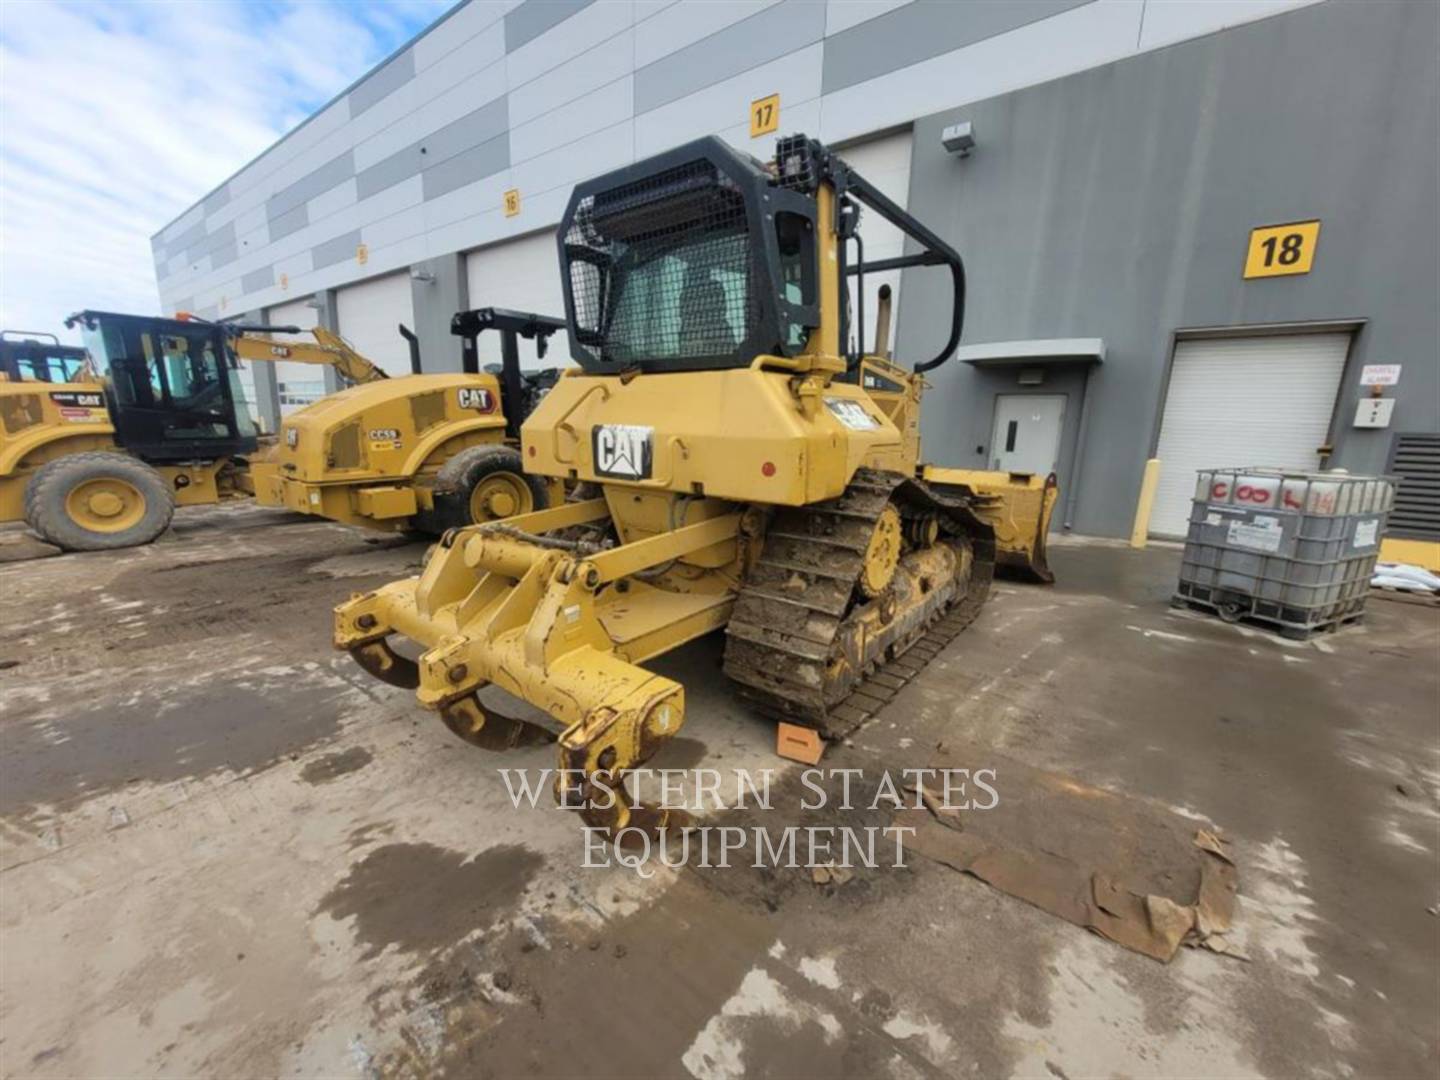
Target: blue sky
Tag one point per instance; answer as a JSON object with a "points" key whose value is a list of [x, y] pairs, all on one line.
{"points": [[114, 117]]}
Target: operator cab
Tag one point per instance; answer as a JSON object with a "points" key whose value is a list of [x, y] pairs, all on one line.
{"points": [[704, 258], [171, 386], [27, 356]]}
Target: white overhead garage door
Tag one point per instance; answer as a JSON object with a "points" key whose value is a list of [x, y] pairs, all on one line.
{"points": [[522, 275], [369, 315], [1232, 402], [885, 162], [299, 384]]}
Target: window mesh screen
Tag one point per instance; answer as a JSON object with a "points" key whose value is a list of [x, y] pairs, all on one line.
{"points": [[663, 269]]}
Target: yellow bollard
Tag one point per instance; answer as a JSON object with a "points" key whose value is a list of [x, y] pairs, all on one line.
{"points": [[1141, 529]]}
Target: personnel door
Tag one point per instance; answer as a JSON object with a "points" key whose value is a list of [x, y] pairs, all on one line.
{"points": [[1026, 438]]}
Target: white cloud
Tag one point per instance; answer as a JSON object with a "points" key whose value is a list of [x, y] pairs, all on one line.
{"points": [[115, 117]]}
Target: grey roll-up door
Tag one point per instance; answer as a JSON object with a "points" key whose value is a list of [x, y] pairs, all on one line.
{"points": [[1415, 459]]}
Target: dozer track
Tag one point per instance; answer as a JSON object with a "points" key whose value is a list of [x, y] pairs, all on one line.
{"points": [[806, 645]]}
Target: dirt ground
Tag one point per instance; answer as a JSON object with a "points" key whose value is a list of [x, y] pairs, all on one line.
{"points": [[225, 851]]}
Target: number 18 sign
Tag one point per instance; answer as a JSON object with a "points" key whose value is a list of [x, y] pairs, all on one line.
{"points": [[1282, 249]]}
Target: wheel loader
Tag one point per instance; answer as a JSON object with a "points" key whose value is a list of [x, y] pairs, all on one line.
{"points": [[98, 446], [750, 472]]}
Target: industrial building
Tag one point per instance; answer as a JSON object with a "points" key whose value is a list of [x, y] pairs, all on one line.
{"points": [[1195, 231]]}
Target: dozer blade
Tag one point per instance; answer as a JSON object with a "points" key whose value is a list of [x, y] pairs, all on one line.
{"points": [[1017, 506]]}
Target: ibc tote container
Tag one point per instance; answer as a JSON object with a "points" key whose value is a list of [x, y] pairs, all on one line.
{"points": [[1291, 549]]}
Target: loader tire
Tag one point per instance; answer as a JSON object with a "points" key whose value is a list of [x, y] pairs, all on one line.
{"points": [[98, 502], [486, 483]]}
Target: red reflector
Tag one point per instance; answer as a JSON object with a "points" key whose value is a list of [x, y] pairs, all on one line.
{"points": [[532, 451], [768, 469]]}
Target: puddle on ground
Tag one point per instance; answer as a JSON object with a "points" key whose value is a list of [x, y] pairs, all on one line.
{"points": [[422, 897], [332, 766], [160, 736]]}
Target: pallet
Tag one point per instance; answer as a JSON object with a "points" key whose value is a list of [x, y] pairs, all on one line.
{"points": [[1419, 597], [1289, 631]]}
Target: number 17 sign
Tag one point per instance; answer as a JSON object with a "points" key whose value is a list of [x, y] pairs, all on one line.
{"points": [[764, 115]]}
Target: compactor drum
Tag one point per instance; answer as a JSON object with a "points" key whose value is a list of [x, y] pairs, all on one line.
{"points": [[738, 468]]}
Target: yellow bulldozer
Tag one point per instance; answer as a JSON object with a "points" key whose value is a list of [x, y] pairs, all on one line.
{"points": [[740, 468], [99, 445]]}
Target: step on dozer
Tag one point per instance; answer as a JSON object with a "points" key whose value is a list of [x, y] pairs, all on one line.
{"points": [[741, 469]]}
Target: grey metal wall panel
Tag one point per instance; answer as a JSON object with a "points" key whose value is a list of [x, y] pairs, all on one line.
{"points": [[464, 168], [335, 171], [383, 82], [222, 255], [217, 198], [388, 171], [191, 237], [473, 129], [337, 250], [290, 222], [922, 30], [221, 237], [764, 36], [534, 17], [1117, 202], [256, 280]]}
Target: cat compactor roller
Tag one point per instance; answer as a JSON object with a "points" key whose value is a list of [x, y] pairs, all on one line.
{"points": [[748, 472], [422, 451], [99, 445]]}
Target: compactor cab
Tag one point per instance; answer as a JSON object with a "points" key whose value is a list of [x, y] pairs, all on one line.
{"points": [[751, 468], [520, 391]]}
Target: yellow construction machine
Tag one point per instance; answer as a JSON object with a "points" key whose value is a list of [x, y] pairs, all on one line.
{"points": [[747, 472], [99, 445], [329, 349], [419, 451]]}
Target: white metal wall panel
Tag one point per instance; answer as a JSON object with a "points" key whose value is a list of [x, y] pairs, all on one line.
{"points": [[461, 64], [1263, 401], [523, 275], [369, 313], [885, 162], [299, 384]]}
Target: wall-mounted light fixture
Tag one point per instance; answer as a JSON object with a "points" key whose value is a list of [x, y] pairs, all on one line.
{"points": [[316, 303], [418, 273], [959, 138]]}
